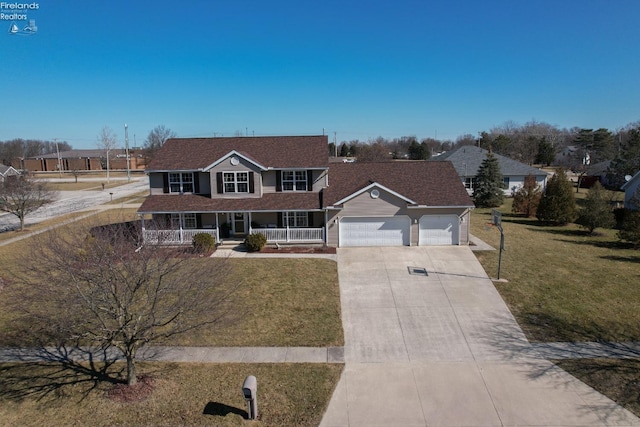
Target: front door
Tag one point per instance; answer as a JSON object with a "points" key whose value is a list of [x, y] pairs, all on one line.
{"points": [[238, 223]]}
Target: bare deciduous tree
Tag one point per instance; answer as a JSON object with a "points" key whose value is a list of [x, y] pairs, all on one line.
{"points": [[156, 139], [107, 140], [102, 291], [21, 195]]}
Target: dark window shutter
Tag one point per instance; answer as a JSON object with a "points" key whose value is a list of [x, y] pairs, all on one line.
{"points": [[196, 183], [165, 182], [198, 220], [219, 182], [278, 180], [309, 180], [280, 220], [310, 219], [252, 187]]}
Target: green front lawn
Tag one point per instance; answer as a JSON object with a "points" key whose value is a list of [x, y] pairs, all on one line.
{"points": [[564, 285], [185, 394]]}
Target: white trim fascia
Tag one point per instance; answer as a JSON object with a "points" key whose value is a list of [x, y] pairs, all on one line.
{"points": [[440, 207], [148, 171], [372, 185], [233, 153], [315, 168], [235, 210], [628, 183]]}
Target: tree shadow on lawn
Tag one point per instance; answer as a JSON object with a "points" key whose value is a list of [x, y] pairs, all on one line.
{"points": [[541, 326], [604, 244], [50, 373], [610, 367]]}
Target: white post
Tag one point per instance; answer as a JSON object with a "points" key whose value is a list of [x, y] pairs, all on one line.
{"points": [[126, 142]]}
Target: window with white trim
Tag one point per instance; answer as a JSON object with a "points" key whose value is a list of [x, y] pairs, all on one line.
{"points": [[469, 183], [294, 180], [181, 182], [296, 219], [236, 182], [505, 182], [185, 220]]}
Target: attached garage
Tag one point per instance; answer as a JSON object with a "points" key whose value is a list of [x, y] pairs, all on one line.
{"points": [[439, 230], [375, 231]]}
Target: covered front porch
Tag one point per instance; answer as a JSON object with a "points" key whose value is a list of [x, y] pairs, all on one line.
{"points": [[278, 227]]}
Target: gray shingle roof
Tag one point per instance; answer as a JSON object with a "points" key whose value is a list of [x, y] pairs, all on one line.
{"points": [[468, 158]]}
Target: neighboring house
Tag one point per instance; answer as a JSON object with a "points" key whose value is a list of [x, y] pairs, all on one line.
{"points": [[596, 173], [468, 158], [6, 172], [631, 188], [286, 189]]}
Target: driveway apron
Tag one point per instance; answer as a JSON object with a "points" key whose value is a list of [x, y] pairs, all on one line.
{"points": [[430, 342]]}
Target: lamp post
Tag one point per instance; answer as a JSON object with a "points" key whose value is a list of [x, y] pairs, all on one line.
{"points": [[126, 144]]}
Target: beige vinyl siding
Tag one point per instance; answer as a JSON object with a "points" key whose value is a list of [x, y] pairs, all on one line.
{"points": [[242, 166], [389, 205]]}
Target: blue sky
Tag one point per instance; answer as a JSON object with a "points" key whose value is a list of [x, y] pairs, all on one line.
{"points": [[361, 69]]}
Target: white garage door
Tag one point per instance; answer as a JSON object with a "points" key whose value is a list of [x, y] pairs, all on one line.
{"points": [[439, 230], [385, 231]]}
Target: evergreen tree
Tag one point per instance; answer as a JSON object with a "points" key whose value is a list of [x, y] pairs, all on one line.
{"points": [[596, 211], [630, 229], [628, 160], [488, 187], [527, 198], [558, 204], [418, 151], [344, 150], [546, 152]]}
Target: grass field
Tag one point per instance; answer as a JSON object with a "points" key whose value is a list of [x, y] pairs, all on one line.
{"points": [[564, 285], [183, 395], [287, 302], [83, 185]]}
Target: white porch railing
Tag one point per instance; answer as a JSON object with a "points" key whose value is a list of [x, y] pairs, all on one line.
{"points": [[185, 236], [291, 234], [175, 237]]}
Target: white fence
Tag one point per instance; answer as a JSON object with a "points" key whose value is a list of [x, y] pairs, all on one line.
{"points": [[185, 237], [291, 234]]}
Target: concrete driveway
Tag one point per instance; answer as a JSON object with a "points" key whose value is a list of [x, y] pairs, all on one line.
{"points": [[429, 342]]}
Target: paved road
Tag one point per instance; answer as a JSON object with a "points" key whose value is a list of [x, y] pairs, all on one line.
{"points": [[73, 201], [429, 342]]}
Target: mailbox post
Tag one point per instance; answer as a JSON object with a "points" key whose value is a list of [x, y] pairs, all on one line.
{"points": [[250, 393]]}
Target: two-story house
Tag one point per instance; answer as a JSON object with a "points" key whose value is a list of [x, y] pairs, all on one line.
{"points": [[285, 188]]}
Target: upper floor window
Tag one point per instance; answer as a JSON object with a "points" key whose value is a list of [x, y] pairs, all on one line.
{"points": [[294, 180], [236, 182], [181, 182], [469, 183]]}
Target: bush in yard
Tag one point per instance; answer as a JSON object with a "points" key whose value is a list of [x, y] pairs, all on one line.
{"points": [[203, 242], [558, 204], [596, 211], [630, 230], [527, 198], [255, 241]]}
